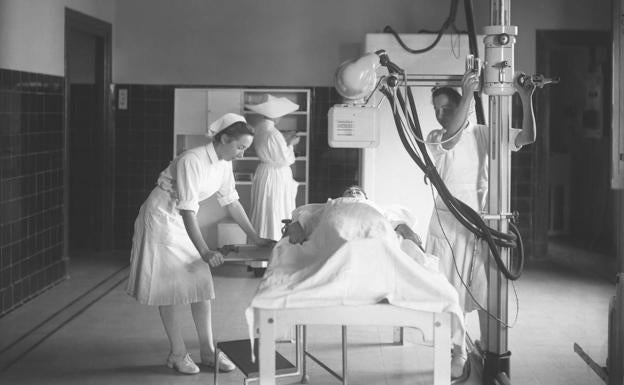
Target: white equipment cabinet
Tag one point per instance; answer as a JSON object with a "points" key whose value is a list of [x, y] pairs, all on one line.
{"points": [[196, 108]]}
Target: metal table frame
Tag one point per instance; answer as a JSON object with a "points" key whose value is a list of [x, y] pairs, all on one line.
{"points": [[437, 325]]}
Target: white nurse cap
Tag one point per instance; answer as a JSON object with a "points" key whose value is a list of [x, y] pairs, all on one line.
{"points": [[273, 107], [224, 122]]}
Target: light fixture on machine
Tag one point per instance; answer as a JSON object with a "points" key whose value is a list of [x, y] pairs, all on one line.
{"points": [[354, 123]]}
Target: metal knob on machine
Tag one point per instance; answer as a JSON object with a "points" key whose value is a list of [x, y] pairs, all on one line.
{"points": [[498, 68]]}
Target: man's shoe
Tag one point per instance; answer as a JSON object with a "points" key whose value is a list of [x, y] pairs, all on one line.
{"points": [[458, 362], [182, 363]]}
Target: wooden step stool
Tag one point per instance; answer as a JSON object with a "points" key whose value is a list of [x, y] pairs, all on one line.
{"points": [[239, 352]]}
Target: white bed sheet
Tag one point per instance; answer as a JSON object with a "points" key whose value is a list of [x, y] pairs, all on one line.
{"points": [[360, 272]]}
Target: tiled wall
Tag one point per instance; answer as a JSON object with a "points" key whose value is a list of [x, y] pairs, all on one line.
{"points": [[331, 169], [83, 182], [521, 199], [31, 185], [144, 136]]}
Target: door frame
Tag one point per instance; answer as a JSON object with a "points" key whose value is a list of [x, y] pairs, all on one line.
{"points": [[77, 21], [546, 40]]}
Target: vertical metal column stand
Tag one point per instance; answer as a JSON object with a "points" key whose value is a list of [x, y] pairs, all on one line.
{"points": [[499, 67]]}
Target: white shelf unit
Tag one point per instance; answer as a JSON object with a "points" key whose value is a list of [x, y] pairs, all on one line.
{"points": [[196, 108]]}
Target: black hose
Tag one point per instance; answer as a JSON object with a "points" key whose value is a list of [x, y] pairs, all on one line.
{"points": [[468, 217], [472, 42], [447, 23], [476, 223], [472, 35], [474, 50], [461, 211]]}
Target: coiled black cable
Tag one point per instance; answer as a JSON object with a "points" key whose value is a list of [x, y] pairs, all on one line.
{"points": [[464, 213], [472, 42], [474, 50], [468, 217], [473, 216], [447, 23]]}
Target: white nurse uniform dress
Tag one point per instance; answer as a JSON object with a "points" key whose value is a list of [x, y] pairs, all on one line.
{"points": [[273, 190], [165, 266]]}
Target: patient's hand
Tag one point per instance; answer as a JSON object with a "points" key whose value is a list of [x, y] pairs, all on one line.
{"points": [[407, 233], [295, 233]]}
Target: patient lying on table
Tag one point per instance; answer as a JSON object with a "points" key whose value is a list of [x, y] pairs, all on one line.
{"points": [[304, 222], [346, 252]]}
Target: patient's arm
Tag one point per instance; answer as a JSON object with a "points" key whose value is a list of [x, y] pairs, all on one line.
{"points": [[295, 233], [407, 233], [304, 220]]}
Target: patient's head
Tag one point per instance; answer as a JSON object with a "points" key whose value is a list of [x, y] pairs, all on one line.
{"points": [[354, 191]]}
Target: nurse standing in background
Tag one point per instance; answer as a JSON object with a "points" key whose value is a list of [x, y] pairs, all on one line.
{"points": [[273, 189]]}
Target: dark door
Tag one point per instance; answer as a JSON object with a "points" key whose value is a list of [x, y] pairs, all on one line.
{"points": [[90, 166], [575, 204]]}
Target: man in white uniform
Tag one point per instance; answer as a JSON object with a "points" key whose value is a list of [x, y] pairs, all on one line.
{"points": [[460, 153]]}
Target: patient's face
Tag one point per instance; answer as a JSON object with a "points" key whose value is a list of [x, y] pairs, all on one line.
{"points": [[354, 192]]}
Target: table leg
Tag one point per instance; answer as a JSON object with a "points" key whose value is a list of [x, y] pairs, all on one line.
{"points": [[398, 334], [304, 347], [266, 350], [344, 355], [441, 349]]}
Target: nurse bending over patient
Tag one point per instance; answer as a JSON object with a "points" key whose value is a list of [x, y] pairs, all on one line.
{"points": [[298, 234], [170, 260]]}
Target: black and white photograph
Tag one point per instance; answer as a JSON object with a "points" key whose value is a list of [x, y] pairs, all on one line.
{"points": [[273, 192]]}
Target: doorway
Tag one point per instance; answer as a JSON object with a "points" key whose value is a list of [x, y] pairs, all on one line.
{"points": [[574, 143], [89, 135]]}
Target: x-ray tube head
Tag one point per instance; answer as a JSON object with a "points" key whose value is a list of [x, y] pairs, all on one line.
{"points": [[356, 79], [353, 124]]}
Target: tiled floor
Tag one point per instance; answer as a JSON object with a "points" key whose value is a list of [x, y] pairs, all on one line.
{"points": [[87, 330]]}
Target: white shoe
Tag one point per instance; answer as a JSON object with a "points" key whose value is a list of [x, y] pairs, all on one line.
{"points": [[182, 363], [225, 364], [458, 362]]}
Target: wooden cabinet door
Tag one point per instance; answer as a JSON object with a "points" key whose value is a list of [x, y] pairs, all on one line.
{"points": [[190, 115], [222, 101]]}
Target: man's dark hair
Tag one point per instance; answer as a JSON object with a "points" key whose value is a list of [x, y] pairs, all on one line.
{"points": [[450, 93]]}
